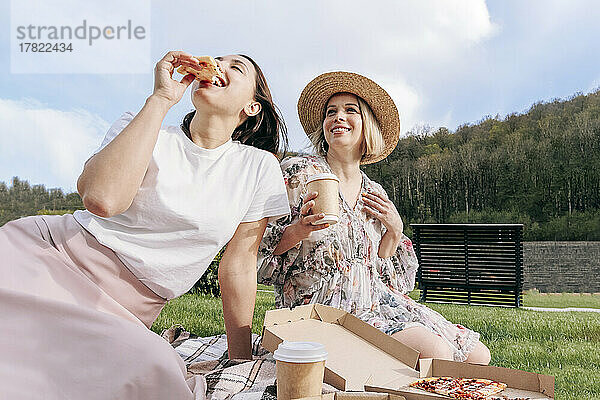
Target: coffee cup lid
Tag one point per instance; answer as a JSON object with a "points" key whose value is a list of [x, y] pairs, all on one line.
{"points": [[300, 352], [324, 175]]}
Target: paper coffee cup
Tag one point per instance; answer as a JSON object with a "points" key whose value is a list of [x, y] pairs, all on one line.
{"points": [[300, 368], [327, 202]]}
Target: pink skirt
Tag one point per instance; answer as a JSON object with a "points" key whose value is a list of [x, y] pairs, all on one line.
{"points": [[75, 320]]}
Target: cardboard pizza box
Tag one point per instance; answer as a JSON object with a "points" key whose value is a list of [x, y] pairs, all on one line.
{"points": [[359, 354], [355, 396], [521, 384], [363, 358]]}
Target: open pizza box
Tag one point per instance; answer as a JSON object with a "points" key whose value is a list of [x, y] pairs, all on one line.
{"points": [[361, 357], [520, 384], [359, 354], [355, 396]]}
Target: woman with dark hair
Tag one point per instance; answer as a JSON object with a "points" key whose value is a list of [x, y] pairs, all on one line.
{"points": [[78, 292], [261, 130]]}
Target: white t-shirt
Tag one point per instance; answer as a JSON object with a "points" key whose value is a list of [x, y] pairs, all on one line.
{"points": [[188, 207]]}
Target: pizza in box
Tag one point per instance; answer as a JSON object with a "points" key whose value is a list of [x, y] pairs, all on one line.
{"points": [[464, 388]]}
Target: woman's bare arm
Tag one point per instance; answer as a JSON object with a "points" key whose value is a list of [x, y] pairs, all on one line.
{"points": [[237, 279], [112, 177]]}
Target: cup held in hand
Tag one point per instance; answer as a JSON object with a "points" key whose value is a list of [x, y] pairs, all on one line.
{"points": [[327, 202]]}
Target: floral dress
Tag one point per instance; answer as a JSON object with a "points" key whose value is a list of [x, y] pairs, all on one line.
{"points": [[340, 267]]}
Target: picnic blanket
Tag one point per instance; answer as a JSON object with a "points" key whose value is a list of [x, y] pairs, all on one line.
{"points": [[225, 378]]}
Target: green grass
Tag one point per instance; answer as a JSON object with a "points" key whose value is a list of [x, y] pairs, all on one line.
{"points": [[562, 300], [203, 314], [550, 300], [566, 345]]}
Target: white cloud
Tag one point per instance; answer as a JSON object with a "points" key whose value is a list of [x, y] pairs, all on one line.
{"points": [[396, 43], [436, 58], [45, 145], [401, 45], [407, 101], [126, 48], [429, 31]]}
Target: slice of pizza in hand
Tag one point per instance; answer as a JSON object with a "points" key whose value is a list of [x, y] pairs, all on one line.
{"points": [[207, 70]]}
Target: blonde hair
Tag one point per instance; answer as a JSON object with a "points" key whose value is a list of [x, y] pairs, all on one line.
{"points": [[373, 144]]}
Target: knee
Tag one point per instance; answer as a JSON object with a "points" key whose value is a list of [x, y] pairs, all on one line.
{"points": [[158, 373], [151, 352], [437, 348], [443, 350], [480, 355], [22, 230], [161, 352]]}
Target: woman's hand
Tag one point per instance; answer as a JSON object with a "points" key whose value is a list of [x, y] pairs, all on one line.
{"points": [[302, 228], [381, 207], [167, 88], [304, 225]]}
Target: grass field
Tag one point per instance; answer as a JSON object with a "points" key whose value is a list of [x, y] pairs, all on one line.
{"points": [[565, 344], [552, 300], [562, 300]]}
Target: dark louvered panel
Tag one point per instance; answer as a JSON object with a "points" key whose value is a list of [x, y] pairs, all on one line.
{"points": [[474, 297], [470, 263]]}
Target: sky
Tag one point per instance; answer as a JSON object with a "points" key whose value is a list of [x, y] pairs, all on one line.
{"points": [[444, 62]]}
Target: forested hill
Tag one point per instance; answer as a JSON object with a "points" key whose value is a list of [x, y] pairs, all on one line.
{"points": [[22, 199], [540, 168]]}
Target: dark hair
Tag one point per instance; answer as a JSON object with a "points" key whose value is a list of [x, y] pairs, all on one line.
{"points": [[262, 130]]}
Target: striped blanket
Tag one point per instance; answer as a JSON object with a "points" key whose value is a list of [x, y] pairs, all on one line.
{"points": [[225, 378]]}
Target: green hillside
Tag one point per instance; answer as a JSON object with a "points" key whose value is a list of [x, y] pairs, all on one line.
{"points": [[540, 168]]}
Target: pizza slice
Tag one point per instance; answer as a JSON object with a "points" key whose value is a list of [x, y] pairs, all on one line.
{"points": [[460, 388], [441, 385], [208, 70], [480, 388]]}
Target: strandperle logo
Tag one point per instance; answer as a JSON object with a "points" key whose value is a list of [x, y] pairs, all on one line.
{"points": [[84, 31], [80, 37]]}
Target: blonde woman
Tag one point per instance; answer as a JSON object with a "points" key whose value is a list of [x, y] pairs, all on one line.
{"points": [[364, 264]]}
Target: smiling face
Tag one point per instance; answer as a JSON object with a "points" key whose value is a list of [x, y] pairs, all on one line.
{"points": [[236, 96], [342, 126]]}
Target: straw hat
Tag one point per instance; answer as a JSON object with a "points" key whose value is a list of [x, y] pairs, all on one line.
{"points": [[314, 98]]}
